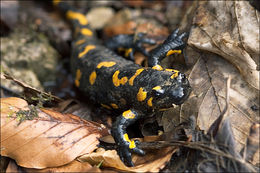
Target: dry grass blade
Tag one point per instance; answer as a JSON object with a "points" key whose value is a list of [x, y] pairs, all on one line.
{"points": [[48, 139]]}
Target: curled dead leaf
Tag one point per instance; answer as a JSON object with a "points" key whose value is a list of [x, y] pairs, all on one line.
{"points": [[50, 139]]}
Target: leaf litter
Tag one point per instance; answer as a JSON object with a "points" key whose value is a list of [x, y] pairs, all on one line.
{"points": [[52, 139]]}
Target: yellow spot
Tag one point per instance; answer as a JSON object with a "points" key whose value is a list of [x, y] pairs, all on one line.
{"points": [[78, 76], [86, 31], [78, 16], [80, 42], [120, 49], [123, 80], [105, 106], [175, 74], [56, 2], [141, 95], [114, 106], [157, 88], [131, 143], [86, 50], [149, 102], [106, 64], [117, 81], [170, 52], [92, 77], [128, 51], [128, 114], [157, 67], [131, 80]]}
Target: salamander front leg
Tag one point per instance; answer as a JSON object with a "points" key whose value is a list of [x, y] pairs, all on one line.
{"points": [[173, 44], [126, 146]]}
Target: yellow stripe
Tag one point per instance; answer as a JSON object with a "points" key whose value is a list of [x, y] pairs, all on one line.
{"points": [[117, 81], [157, 67], [170, 52], [56, 2], [128, 114], [131, 143], [128, 51], [105, 106], [86, 31], [149, 102], [131, 80], [106, 64], [157, 88], [175, 74], [114, 106], [86, 50], [92, 77], [80, 42], [141, 95], [78, 76], [77, 16]]}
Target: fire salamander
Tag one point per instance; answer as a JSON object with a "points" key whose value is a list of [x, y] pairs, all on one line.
{"points": [[120, 84]]}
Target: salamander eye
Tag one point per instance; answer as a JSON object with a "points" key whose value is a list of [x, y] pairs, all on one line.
{"points": [[157, 91]]}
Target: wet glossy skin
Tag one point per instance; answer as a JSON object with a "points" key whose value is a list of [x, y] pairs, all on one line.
{"points": [[120, 84]]}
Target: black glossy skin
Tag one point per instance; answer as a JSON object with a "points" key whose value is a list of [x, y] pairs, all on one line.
{"points": [[129, 41], [173, 90]]}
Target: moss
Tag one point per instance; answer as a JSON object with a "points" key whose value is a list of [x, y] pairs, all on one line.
{"points": [[30, 114]]}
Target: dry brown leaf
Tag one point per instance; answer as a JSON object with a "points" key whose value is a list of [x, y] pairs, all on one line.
{"points": [[207, 79], [74, 166], [49, 140], [230, 29], [153, 161]]}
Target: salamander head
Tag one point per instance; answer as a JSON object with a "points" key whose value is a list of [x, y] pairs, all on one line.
{"points": [[173, 92]]}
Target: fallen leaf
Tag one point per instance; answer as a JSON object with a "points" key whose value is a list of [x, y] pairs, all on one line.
{"points": [[50, 139], [230, 29], [207, 79], [153, 161], [74, 166]]}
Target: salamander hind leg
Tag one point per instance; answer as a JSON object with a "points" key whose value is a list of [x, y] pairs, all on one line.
{"points": [[126, 146]]}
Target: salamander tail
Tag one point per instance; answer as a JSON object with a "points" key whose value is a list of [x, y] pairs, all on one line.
{"points": [[78, 20]]}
